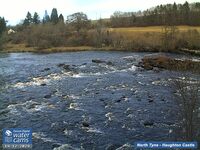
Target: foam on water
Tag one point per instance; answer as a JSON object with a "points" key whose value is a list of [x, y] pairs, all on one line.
{"points": [[110, 116], [125, 147], [66, 147], [75, 106], [133, 68], [94, 130], [42, 136], [28, 106], [68, 132], [37, 81]]}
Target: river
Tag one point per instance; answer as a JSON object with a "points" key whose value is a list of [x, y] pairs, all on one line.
{"points": [[70, 101]]}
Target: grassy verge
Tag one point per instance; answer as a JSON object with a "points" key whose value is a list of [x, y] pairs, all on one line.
{"points": [[12, 48]]}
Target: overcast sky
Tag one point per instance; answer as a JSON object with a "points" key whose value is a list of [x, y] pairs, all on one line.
{"points": [[15, 10]]}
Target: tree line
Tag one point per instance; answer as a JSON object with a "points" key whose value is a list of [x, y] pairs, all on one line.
{"points": [[35, 19], [170, 14], [77, 20]]}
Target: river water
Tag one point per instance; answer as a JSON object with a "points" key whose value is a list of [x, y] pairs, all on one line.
{"points": [[71, 102]]}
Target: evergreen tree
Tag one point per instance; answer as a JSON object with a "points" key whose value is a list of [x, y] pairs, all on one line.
{"points": [[54, 16], [61, 18], [28, 20], [2, 25], [186, 11], [2, 29], [46, 17], [36, 18]]}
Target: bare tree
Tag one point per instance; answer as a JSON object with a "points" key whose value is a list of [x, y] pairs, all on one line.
{"points": [[78, 20], [188, 99]]}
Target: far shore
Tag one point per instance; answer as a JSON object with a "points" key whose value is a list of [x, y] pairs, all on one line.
{"points": [[20, 48]]}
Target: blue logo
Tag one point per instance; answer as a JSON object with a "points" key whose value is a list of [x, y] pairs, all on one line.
{"points": [[17, 138]]}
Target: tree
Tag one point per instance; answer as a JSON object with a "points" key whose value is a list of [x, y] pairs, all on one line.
{"points": [[175, 14], [2, 29], [61, 18], [2, 25], [188, 99], [54, 16], [46, 17], [36, 18], [186, 12], [28, 19], [78, 20]]}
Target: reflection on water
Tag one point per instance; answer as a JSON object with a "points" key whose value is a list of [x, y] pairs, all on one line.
{"points": [[74, 102]]}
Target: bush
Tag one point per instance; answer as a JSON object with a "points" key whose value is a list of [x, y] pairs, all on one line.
{"points": [[99, 37], [46, 35]]}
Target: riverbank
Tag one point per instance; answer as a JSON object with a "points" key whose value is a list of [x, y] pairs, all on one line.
{"points": [[19, 48], [15, 48]]}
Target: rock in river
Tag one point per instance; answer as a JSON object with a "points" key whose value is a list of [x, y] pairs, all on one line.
{"points": [[43, 84], [148, 123], [47, 96], [98, 61], [85, 124]]}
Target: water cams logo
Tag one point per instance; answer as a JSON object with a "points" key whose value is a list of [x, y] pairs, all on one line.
{"points": [[17, 138]]}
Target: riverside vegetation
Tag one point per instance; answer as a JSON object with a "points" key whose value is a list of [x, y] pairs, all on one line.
{"points": [[170, 27]]}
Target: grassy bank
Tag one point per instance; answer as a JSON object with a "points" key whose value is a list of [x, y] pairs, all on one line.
{"points": [[154, 29], [14, 48], [151, 39]]}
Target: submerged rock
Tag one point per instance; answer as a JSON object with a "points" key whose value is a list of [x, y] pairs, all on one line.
{"points": [[45, 69], [109, 63], [85, 124], [150, 100], [98, 61], [67, 67], [47, 96], [43, 84], [118, 101], [112, 147], [148, 123], [56, 145], [60, 65], [32, 105]]}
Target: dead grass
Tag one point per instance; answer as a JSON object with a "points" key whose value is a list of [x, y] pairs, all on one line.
{"points": [[133, 38], [23, 48], [153, 29]]}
